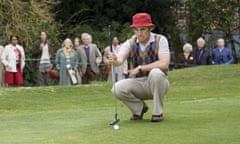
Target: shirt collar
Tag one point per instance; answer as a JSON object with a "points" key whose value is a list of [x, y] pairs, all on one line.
{"points": [[151, 39], [221, 49]]}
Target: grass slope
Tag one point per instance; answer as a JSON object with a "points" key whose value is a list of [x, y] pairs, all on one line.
{"points": [[201, 107]]}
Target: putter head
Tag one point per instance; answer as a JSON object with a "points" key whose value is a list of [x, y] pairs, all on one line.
{"points": [[114, 122]]}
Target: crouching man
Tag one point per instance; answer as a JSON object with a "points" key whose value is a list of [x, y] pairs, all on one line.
{"points": [[148, 57]]}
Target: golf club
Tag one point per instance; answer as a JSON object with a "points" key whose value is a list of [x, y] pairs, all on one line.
{"points": [[116, 119]]}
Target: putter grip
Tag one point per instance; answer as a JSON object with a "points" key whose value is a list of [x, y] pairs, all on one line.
{"points": [[110, 37]]}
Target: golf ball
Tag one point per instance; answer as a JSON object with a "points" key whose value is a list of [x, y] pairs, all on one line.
{"points": [[116, 127]]}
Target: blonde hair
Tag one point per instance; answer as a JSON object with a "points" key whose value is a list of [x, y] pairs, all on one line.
{"points": [[69, 40], [187, 45]]}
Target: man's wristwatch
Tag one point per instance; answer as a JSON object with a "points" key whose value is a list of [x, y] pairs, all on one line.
{"points": [[139, 68]]}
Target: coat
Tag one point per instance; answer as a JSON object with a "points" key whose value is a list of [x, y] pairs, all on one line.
{"points": [[94, 54], [61, 65], [37, 52], [8, 58], [223, 57], [204, 57], [2, 71], [183, 62]]}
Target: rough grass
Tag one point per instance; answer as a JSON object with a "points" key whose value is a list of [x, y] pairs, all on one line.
{"points": [[201, 107]]}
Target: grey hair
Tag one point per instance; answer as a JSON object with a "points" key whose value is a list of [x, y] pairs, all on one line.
{"points": [[221, 39], [187, 45], [67, 39], [200, 39], [83, 35]]}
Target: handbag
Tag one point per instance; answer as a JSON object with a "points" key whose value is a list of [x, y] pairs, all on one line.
{"points": [[106, 70], [53, 73]]}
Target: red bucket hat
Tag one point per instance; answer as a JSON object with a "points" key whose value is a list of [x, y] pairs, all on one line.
{"points": [[142, 20]]}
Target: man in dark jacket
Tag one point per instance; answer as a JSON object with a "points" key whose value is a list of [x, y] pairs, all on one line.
{"points": [[42, 52], [202, 55]]}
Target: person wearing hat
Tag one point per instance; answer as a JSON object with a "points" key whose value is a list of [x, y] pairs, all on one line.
{"points": [[148, 57]]}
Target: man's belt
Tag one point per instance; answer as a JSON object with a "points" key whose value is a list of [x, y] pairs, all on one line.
{"points": [[165, 72], [147, 73]]}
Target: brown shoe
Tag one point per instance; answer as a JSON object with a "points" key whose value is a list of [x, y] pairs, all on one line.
{"points": [[157, 118], [136, 117], [140, 117]]}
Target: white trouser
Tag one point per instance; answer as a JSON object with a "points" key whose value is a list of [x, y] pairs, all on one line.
{"points": [[133, 91]]}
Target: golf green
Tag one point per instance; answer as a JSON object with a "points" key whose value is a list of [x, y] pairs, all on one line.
{"points": [[201, 107]]}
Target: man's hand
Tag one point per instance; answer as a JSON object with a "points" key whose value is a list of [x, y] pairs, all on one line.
{"points": [[98, 61], [112, 58], [81, 74], [8, 67], [72, 72], [41, 45], [133, 72]]}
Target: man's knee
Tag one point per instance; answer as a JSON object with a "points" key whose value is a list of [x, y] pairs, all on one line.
{"points": [[156, 74], [118, 89]]}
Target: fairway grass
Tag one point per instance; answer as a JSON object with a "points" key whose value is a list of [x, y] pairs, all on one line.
{"points": [[201, 107]]}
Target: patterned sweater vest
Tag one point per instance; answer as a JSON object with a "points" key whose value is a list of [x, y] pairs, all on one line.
{"points": [[138, 57]]}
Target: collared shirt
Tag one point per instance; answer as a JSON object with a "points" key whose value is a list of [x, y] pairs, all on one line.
{"points": [[163, 45], [220, 49]]}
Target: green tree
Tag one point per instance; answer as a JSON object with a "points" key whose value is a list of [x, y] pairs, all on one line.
{"points": [[26, 19], [95, 16], [208, 16]]}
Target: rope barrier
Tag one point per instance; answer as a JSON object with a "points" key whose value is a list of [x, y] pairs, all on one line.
{"points": [[176, 65], [35, 59]]}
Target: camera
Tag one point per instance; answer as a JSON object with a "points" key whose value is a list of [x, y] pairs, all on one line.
{"points": [[220, 58]]}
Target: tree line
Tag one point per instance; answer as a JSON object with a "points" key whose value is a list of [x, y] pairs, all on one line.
{"points": [[62, 19]]}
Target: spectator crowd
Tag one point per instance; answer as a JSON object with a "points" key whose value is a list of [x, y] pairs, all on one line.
{"points": [[201, 55], [78, 62]]}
